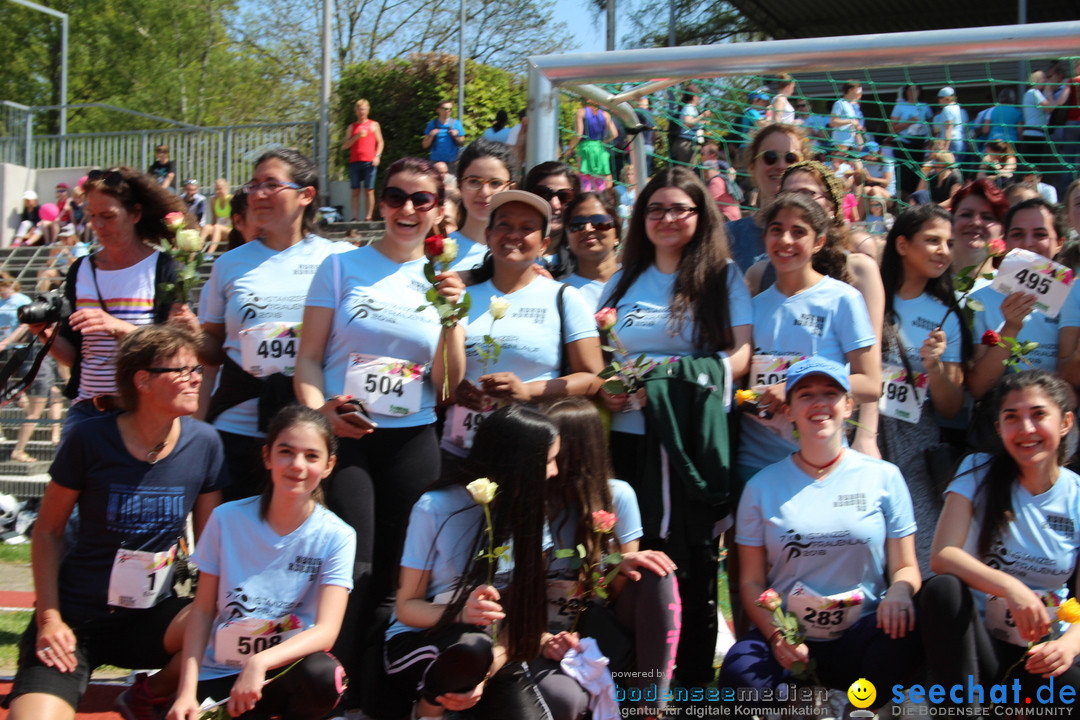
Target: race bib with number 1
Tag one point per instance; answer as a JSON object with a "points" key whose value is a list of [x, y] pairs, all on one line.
{"points": [[140, 579]]}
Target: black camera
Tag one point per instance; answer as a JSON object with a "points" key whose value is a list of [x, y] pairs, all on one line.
{"points": [[48, 307]]}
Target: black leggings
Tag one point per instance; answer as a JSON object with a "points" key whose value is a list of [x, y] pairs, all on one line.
{"points": [[308, 691], [959, 647], [455, 659], [373, 488]]}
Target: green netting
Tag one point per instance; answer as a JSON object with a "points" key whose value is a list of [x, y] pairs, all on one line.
{"points": [[997, 87]]}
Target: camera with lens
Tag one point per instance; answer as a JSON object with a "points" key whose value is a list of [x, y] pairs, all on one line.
{"points": [[48, 307]]}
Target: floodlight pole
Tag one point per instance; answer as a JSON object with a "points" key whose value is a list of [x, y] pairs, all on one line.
{"points": [[324, 103], [63, 68]]}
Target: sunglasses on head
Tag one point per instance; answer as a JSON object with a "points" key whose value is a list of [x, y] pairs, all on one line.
{"points": [[771, 157], [396, 199], [602, 223], [565, 195], [110, 178]]}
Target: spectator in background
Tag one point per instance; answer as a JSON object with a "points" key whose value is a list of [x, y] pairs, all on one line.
{"points": [[448, 178], [877, 169], [1039, 101], [998, 163], [940, 180], [516, 139], [593, 129], [909, 123], [949, 123], [195, 201], [220, 216], [499, 131], [163, 169], [65, 206], [1004, 119], [648, 124], [780, 107], [682, 137], [29, 218], [714, 174], [1030, 174], [365, 144], [444, 136], [754, 117], [1070, 134], [847, 117]]}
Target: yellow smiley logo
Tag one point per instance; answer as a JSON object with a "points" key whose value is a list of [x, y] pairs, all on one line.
{"points": [[862, 693]]}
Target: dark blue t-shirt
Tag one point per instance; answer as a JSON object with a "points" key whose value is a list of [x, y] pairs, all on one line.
{"points": [[126, 502]]}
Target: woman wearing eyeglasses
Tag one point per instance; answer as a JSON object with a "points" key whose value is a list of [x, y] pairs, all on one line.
{"points": [[558, 183], [107, 598], [772, 150], [251, 308], [114, 290], [365, 339], [484, 168], [680, 297], [545, 346], [592, 230]]}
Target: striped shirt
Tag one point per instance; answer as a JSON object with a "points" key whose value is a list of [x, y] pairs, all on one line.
{"points": [[128, 295]]}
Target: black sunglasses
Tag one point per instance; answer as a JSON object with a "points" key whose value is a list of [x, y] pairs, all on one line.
{"points": [[396, 199], [565, 195], [602, 223], [771, 157], [111, 178]]}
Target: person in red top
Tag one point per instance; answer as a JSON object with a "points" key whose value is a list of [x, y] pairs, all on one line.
{"points": [[364, 141]]}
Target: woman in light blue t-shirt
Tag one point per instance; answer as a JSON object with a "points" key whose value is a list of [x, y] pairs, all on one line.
{"points": [[926, 346], [1006, 552]]}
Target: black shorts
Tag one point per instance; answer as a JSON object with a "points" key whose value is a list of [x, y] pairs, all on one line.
{"points": [[126, 638]]}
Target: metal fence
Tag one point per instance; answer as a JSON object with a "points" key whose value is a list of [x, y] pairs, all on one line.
{"points": [[15, 123], [202, 153]]}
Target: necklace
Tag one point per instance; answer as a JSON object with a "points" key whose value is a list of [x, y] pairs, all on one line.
{"points": [[822, 468], [153, 453]]}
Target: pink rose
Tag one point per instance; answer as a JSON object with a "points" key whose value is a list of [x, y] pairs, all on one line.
{"points": [[996, 247], [605, 318], [175, 221], [770, 600], [603, 521]]}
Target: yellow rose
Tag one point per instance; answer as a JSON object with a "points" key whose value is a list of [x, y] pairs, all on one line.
{"points": [[482, 490], [1069, 611]]}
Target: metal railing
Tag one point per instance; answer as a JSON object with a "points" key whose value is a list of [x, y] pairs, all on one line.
{"points": [[202, 153]]}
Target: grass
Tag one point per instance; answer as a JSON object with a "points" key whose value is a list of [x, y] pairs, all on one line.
{"points": [[12, 625], [19, 554]]}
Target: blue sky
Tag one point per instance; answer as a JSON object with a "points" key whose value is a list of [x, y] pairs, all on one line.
{"points": [[580, 19]]}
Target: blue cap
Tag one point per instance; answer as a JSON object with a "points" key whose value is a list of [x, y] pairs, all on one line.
{"points": [[816, 365]]}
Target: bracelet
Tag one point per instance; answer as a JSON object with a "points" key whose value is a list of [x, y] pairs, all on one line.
{"points": [[776, 633]]}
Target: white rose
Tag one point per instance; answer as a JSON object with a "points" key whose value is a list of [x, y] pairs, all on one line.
{"points": [[482, 490], [449, 253], [498, 307], [188, 241]]}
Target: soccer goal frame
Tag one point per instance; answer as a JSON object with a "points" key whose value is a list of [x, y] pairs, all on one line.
{"points": [[578, 72]]}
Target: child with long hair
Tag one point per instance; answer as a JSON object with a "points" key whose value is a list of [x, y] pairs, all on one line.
{"points": [[275, 575], [925, 346], [637, 625], [1006, 549], [438, 649]]}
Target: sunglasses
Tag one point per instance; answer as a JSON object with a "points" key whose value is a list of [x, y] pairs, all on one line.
{"points": [[110, 178], [396, 198], [565, 195], [602, 223], [771, 157]]}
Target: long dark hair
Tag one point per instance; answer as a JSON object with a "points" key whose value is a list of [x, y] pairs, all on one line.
{"points": [[304, 172], [581, 488], [907, 225], [511, 448], [538, 173], [288, 417], [482, 148], [995, 492], [831, 259], [700, 292]]}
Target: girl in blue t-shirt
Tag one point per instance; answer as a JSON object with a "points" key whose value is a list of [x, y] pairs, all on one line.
{"points": [[1006, 550], [636, 617], [830, 532], [439, 650], [364, 336], [678, 295], [275, 574], [548, 344], [926, 346], [484, 169]]}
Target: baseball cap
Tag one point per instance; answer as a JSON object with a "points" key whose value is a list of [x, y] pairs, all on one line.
{"points": [[29, 195], [62, 186], [816, 365], [534, 201], [946, 91]]}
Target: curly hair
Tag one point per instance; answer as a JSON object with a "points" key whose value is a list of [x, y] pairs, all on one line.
{"points": [[140, 193]]}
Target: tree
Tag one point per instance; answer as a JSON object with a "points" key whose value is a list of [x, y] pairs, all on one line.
{"points": [[696, 23]]}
